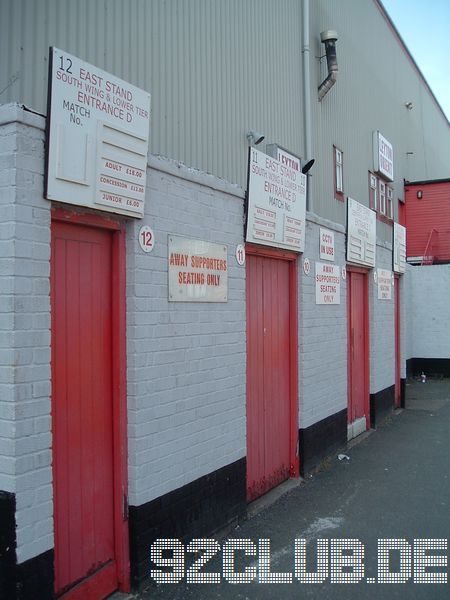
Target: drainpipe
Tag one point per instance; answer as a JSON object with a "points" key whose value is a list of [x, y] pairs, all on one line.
{"points": [[307, 101], [329, 38]]}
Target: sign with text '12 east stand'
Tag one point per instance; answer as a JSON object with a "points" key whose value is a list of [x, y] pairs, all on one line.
{"points": [[98, 129], [276, 209]]}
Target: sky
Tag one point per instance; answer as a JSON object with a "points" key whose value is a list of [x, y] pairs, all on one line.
{"points": [[424, 26]]}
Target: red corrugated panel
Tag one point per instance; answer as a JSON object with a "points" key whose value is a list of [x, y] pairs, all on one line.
{"points": [[423, 215]]}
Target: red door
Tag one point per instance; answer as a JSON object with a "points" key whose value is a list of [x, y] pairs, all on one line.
{"points": [[82, 411], [271, 407], [358, 386], [397, 341]]}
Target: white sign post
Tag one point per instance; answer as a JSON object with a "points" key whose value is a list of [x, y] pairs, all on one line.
{"points": [[276, 203], [399, 244], [384, 283], [328, 284], [98, 137], [361, 233], [198, 271], [326, 249]]}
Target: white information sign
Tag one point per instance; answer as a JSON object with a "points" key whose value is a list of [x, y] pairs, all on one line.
{"points": [[361, 233], [198, 271], [399, 244], [326, 249], [328, 284], [384, 283], [383, 156], [98, 137], [276, 203]]}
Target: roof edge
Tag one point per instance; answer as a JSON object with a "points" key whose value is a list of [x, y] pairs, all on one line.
{"points": [[426, 182], [409, 55]]}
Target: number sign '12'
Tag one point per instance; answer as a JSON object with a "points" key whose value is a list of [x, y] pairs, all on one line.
{"points": [[146, 238]]}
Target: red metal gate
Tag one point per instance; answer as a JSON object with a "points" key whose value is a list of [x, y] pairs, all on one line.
{"points": [[87, 470], [272, 428], [397, 341], [358, 351]]}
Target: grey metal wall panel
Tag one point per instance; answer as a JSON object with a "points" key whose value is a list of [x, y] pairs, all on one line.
{"points": [[215, 68], [376, 78]]}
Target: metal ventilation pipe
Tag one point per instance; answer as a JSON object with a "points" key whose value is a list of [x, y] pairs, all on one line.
{"points": [[329, 38]]}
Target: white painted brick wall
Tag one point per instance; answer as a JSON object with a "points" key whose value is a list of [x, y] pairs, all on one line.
{"points": [[25, 428], [429, 311], [186, 361], [382, 329], [322, 336], [8, 145], [404, 325], [409, 321]]}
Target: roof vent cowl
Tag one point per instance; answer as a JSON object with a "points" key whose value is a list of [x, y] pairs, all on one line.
{"points": [[329, 38]]}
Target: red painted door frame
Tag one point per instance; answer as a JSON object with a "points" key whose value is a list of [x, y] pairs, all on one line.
{"points": [[352, 269], [120, 454], [291, 257], [397, 341]]}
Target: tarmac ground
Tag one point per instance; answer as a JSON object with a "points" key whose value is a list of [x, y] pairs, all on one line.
{"points": [[394, 486]]}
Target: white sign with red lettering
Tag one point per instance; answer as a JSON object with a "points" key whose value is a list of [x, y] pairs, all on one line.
{"points": [[328, 284], [383, 156], [384, 282], [326, 249], [291, 161], [399, 254], [98, 137], [198, 271], [276, 203]]}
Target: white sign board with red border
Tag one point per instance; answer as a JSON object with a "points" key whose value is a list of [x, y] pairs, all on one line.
{"points": [[198, 270], [399, 254], [328, 284], [98, 130], [276, 210], [361, 233]]}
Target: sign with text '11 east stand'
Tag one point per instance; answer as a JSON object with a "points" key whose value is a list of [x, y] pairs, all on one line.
{"points": [[98, 128], [276, 210]]}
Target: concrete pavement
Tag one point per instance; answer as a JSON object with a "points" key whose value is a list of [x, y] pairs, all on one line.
{"points": [[396, 485]]}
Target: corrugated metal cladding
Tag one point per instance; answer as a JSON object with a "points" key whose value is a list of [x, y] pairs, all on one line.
{"points": [[376, 78], [215, 68], [430, 212]]}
